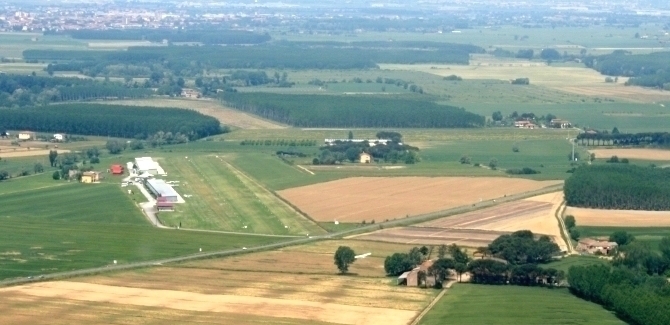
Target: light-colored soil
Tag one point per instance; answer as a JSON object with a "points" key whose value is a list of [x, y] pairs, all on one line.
{"points": [[479, 228], [225, 115], [9, 152], [619, 218], [330, 312], [379, 198], [633, 153]]}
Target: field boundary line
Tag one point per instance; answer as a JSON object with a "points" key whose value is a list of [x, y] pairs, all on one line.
{"points": [[432, 304], [305, 169], [282, 200], [564, 230]]}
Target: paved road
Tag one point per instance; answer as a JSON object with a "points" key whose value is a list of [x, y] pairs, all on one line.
{"points": [[289, 242]]}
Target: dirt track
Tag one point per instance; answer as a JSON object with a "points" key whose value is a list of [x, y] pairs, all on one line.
{"points": [[619, 218], [379, 198], [633, 153], [326, 312]]}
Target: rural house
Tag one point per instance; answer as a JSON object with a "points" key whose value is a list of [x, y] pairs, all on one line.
{"points": [[365, 158], [190, 93], [593, 246], [26, 135], [117, 169], [524, 124], [560, 124], [415, 277], [59, 137], [90, 177]]}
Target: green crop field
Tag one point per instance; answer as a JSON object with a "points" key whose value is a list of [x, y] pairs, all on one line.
{"points": [[565, 263], [650, 236], [64, 226], [488, 304], [221, 197]]}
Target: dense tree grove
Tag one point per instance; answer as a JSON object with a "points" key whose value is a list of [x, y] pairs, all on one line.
{"points": [[634, 286], [620, 186], [111, 120], [391, 152], [192, 60], [648, 70], [21, 90], [352, 111], [661, 139], [158, 35]]}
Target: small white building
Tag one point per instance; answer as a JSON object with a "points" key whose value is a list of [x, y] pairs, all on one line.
{"points": [[162, 190], [148, 165], [26, 135], [59, 137]]}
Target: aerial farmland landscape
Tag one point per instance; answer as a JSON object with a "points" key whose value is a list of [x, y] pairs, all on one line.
{"points": [[392, 162]]}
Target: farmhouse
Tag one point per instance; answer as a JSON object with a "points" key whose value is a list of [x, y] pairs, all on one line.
{"points": [[117, 169], [148, 165], [593, 246], [365, 158], [161, 190], [524, 124], [190, 93], [90, 177], [414, 278], [559, 123], [26, 135], [59, 137]]}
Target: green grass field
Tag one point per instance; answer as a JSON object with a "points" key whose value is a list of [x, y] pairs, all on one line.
{"points": [[487, 304], [650, 236], [66, 226], [223, 198], [574, 260]]}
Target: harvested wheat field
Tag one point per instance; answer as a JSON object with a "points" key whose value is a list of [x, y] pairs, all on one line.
{"points": [[619, 218], [633, 153], [255, 306], [479, 228], [294, 285], [360, 199], [225, 115]]}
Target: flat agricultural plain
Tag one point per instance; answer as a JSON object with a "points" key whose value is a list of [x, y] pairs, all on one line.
{"points": [[481, 227], [633, 153], [619, 218], [225, 115], [360, 199], [295, 285], [514, 305]]}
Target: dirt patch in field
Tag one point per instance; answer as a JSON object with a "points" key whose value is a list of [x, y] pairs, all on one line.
{"points": [[225, 115], [619, 218], [335, 313], [15, 152], [633, 153], [379, 198], [479, 228]]}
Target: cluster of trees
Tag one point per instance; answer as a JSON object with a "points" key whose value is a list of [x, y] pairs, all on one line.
{"points": [[521, 81], [208, 36], [620, 186], [80, 161], [648, 70], [392, 152], [661, 139], [571, 226], [255, 78], [449, 258], [522, 171], [112, 120], [279, 143], [5, 175], [352, 111], [192, 60], [634, 285], [22, 90]]}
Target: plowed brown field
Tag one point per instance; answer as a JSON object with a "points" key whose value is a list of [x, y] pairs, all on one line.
{"points": [[633, 153], [379, 198]]}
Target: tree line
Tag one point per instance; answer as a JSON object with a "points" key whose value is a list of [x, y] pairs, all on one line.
{"points": [[352, 111], [111, 120], [282, 55], [620, 186], [634, 285], [22, 90], [661, 139], [648, 70], [221, 36]]}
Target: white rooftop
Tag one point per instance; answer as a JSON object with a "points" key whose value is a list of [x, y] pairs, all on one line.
{"points": [[162, 188]]}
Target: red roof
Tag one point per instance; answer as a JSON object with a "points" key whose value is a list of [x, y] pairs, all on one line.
{"points": [[164, 204], [117, 169]]}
